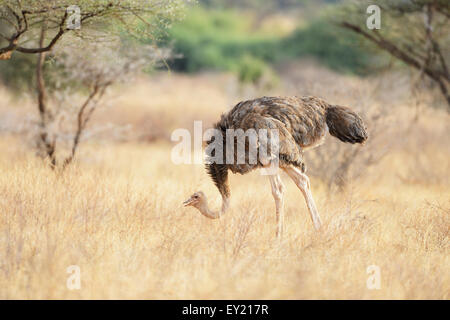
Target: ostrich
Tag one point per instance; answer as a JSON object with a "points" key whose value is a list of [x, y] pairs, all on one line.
{"points": [[302, 123]]}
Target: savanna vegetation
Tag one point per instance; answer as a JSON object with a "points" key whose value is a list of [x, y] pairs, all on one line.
{"points": [[238, 41], [116, 91]]}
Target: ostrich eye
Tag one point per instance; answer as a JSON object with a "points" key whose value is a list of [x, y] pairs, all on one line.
{"points": [[195, 197]]}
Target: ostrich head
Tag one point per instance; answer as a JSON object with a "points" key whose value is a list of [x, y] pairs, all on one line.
{"points": [[197, 200]]}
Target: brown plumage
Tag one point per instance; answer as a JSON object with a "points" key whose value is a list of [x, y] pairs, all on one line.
{"points": [[301, 122]]}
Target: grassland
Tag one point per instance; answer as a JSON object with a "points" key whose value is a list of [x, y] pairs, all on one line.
{"points": [[117, 212]]}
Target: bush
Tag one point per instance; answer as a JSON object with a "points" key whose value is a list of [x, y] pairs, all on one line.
{"points": [[333, 47], [225, 40], [212, 40], [251, 69]]}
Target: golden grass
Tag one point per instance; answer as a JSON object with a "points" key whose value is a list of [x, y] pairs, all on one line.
{"points": [[117, 214]]}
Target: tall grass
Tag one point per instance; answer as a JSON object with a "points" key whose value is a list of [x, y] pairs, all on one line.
{"points": [[118, 216], [117, 212]]}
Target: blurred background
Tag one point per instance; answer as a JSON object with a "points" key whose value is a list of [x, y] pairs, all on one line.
{"points": [[201, 60], [103, 103]]}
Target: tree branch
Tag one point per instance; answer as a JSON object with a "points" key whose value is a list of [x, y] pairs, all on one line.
{"points": [[52, 43], [384, 44], [440, 77], [43, 49], [83, 118]]}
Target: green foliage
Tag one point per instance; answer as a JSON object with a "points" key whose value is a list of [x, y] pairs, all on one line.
{"points": [[209, 40], [333, 47], [251, 69], [225, 40], [262, 4], [101, 20], [218, 40]]}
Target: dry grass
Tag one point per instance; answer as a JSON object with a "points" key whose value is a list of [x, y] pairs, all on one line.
{"points": [[117, 214]]}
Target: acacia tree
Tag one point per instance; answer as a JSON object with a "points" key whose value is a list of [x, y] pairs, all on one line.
{"points": [[37, 26], [80, 81], [415, 32], [21, 19]]}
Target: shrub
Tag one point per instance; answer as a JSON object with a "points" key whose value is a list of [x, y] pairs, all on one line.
{"points": [[225, 40]]}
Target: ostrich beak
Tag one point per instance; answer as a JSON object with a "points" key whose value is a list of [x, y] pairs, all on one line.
{"points": [[187, 202]]}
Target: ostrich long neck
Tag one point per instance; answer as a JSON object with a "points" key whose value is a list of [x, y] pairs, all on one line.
{"points": [[207, 212], [219, 175]]}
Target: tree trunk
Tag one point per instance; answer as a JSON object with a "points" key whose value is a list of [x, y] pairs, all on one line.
{"points": [[42, 107]]}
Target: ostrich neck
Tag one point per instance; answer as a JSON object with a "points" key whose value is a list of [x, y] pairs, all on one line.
{"points": [[207, 212]]}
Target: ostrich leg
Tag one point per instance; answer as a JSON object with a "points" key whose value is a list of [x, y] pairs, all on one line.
{"points": [[302, 182], [278, 192]]}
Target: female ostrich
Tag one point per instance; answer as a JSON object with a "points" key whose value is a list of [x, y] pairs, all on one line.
{"points": [[301, 123]]}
